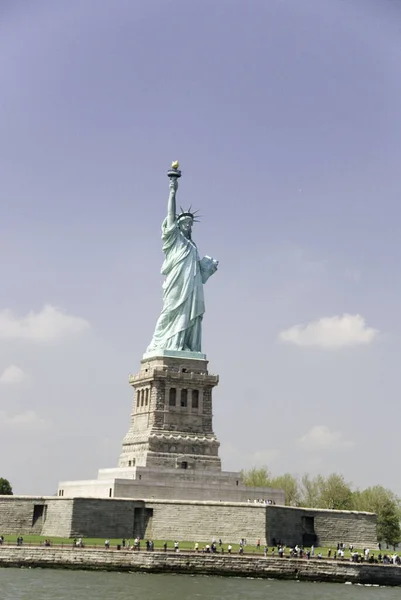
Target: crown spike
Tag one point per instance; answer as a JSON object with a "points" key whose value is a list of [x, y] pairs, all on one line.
{"points": [[188, 213]]}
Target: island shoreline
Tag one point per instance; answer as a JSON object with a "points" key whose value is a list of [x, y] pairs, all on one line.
{"points": [[334, 571]]}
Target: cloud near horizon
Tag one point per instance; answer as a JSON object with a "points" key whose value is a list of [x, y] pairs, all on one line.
{"points": [[47, 325], [330, 332], [321, 437], [12, 374]]}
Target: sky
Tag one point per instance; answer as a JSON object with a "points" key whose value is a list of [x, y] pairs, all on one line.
{"points": [[285, 118]]}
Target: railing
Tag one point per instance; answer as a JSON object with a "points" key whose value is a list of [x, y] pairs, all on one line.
{"points": [[156, 372]]}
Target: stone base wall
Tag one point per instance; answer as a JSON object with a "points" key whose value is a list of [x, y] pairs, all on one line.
{"points": [[335, 526], [183, 520], [201, 522], [289, 525], [18, 515], [162, 519], [103, 518], [58, 520]]}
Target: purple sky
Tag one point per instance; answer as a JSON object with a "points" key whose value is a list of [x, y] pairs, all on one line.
{"points": [[285, 116]]}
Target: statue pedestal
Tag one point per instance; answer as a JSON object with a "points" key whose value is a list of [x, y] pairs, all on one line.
{"points": [[170, 451], [171, 419]]}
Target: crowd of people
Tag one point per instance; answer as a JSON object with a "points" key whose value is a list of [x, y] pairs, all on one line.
{"points": [[340, 553], [279, 549]]}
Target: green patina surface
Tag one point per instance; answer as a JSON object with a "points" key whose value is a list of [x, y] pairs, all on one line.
{"points": [[179, 326]]}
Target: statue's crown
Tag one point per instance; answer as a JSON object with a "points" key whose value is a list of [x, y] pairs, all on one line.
{"points": [[188, 213]]}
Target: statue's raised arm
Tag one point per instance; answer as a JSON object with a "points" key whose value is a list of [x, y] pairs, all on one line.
{"points": [[173, 174], [171, 206]]}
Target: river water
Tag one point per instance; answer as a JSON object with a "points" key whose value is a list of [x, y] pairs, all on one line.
{"points": [[46, 584]]}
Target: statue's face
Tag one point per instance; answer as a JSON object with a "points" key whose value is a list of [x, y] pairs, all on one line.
{"points": [[185, 226]]}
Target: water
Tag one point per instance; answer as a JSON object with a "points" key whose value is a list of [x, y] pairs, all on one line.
{"points": [[46, 584]]}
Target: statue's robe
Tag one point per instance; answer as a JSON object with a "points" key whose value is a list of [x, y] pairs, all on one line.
{"points": [[179, 326]]}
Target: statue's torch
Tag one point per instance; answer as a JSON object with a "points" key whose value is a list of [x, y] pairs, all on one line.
{"points": [[174, 172]]}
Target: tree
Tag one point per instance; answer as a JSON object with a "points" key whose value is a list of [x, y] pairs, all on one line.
{"points": [[290, 485], [256, 477], [374, 499], [335, 493], [331, 492], [388, 525], [262, 478], [387, 507], [5, 487], [310, 490]]}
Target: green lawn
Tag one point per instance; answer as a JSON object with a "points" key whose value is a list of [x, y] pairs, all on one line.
{"points": [[158, 545]]}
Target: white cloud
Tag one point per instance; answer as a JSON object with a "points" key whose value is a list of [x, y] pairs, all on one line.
{"points": [[330, 332], [47, 325], [12, 374], [320, 437], [25, 421]]}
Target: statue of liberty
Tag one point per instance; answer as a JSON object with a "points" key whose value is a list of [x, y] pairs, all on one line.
{"points": [[179, 326]]}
